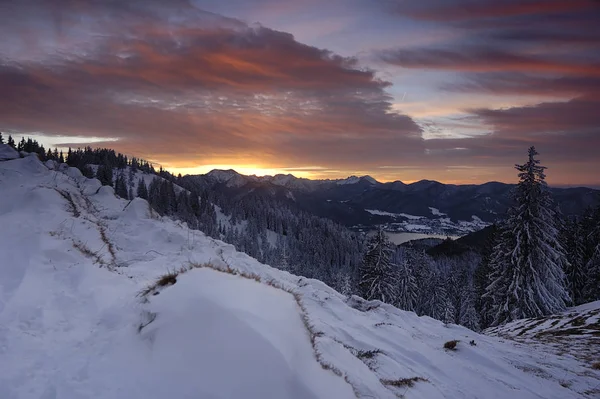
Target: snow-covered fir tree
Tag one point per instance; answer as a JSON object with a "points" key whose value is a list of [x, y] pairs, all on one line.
{"points": [[436, 303], [121, 186], [527, 277], [407, 287], [467, 315], [345, 284], [142, 190], [104, 173], [591, 233], [377, 277], [574, 243]]}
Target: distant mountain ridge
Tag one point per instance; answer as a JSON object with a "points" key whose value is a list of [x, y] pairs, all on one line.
{"points": [[363, 201]]}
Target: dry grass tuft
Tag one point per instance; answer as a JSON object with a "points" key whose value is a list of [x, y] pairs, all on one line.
{"points": [[109, 245], [404, 382], [596, 366], [81, 247], [165, 280], [368, 354], [72, 207], [451, 345]]}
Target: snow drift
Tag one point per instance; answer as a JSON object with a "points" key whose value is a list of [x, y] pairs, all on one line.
{"points": [[78, 321]]}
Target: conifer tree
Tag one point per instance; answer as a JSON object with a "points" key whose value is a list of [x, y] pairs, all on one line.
{"points": [[591, 232], [1, 138], [377, 275], [573, 239], [468, 315], [121, 186], [104, 173], [527, 277], [142, 190], [483, 303], [11, 142], [407, 287]]}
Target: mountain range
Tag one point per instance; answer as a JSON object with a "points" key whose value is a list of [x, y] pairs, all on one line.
{"points": [[362, 201]]}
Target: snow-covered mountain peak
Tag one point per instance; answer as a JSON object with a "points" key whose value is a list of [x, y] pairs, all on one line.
{"points": [[222, 175], [103, 298], [357, 179], [230, 177]]}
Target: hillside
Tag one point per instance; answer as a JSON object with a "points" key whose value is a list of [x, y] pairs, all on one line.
{"points": [[423, 206], [87, 312], [575, 332]]}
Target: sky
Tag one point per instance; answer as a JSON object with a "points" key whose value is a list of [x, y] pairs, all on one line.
{"points": [[454, 91]]}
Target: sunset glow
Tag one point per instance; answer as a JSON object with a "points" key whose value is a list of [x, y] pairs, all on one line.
{"points": [[452, 91]]}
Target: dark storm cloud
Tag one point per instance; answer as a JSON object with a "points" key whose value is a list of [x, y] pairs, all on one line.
{"points": [[177, 81]]}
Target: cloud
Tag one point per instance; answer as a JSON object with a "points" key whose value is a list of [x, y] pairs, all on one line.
{"points": [[180, 83], [460, 10], [546, 50], [482, 59]]}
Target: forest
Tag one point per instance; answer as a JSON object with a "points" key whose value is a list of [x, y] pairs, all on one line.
{"points": [[533, 262]]}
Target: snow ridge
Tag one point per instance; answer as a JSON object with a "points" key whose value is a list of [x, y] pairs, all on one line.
{"points": [[76, 257]]}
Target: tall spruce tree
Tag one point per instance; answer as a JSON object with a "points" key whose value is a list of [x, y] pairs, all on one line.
{"points": [[377, 277], [527, 277], [104, 172], [121, 186], [574, 243], [408, 290], [1, 138], [142, 190], [591, 232]]}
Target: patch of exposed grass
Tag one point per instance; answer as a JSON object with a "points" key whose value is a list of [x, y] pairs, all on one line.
{"points": [[590, 330], [596, 366], [530, 327], [72, 207], [87, 252], [578, 321], [370, 354], [109, 245], [404, 382], [169, 278], [451, 345]]}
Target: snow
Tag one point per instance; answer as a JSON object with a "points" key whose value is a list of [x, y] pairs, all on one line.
{"points": [[370, 179], [395, 215], [436, 212], [572, 333], [413, 227], [356, 179], [232, 349], [69, 317], [348, 180], [7, 152]]}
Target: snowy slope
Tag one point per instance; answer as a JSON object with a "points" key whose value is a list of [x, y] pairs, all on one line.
{"points": [[574, 333], [7, 152], [73, 323]]}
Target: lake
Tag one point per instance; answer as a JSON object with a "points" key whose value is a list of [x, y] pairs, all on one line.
{"points": [[399, 238]]}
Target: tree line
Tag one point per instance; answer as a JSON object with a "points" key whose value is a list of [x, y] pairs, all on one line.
{"points": [[536, 263]]}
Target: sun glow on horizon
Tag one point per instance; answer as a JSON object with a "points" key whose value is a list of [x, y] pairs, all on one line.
{"points": [[247, 170]]}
